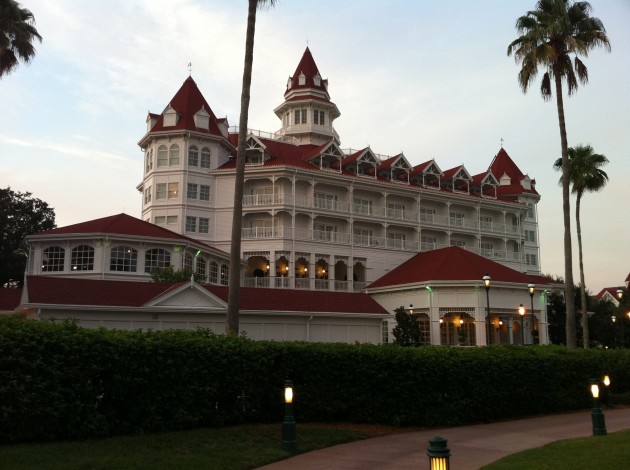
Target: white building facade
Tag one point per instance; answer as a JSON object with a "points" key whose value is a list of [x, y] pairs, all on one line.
{"points": [[319, 216]]}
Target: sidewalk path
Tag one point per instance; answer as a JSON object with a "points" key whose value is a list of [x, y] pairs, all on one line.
{"points": [[471, 446]]}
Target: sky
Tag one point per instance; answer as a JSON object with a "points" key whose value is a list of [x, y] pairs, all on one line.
{"points": [[430, 78]]}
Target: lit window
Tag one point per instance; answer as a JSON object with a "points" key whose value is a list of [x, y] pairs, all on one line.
{"points": [[173, 189], [53, 259], [193, 156], [82, 258], [156, 258], [123, 258]]}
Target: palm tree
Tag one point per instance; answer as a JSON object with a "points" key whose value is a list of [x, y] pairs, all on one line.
{"points": [[234, 294], [549, 36], [17, 33], [585, 174]]}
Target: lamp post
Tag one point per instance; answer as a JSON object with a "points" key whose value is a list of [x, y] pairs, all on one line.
{"points": [[620, 296], [439, 454], [532, 288], [486, 283], [289, 442], [521, 312], [599, 422], [614, 320]]}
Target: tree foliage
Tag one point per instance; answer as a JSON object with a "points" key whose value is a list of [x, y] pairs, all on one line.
{"points": [[170, 275], [20, 215], [406, 332], [17, 34], [552, 37]]}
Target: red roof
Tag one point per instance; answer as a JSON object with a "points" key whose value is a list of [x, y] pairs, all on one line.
{"points": [[187, 101], [307, 67], [452, 264], [610, 290], [504, 165], [123, 224], [93, 292]]}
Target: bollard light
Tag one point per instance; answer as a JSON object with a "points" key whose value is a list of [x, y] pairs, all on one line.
{"points": [[599, 422], [289, 441], [439, 454], [521, 312]]}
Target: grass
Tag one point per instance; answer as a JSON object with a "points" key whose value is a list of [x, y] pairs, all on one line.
{"points": [[251, 446], [584, 453], [234, 448]]}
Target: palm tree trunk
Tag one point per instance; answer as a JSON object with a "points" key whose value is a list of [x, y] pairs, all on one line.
{"points": [[584, 318], [566, 212], [234, 295]]}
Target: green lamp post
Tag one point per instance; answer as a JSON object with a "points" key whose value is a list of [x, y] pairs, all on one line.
{"points": [[289, 441], [599, 422], [439, 454]]}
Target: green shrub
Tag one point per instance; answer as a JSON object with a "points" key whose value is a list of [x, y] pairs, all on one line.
{"points": [[60, 381]]}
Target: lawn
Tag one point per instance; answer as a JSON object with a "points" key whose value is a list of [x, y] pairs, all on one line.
{"points": [[234, 448], [584, 453]]}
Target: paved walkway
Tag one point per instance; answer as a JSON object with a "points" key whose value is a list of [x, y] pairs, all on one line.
{"points": [[471, 446]]}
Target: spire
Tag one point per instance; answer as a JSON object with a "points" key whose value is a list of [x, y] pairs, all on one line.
{"points": [[307, 75]]}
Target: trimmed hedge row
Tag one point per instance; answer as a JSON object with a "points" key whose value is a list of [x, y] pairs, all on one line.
{"points": [[59, 381]]}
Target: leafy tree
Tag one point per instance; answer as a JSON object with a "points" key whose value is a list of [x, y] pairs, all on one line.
{"points": [[406, 332], [549, 36], [585, 174], [17, 34], [234, 295], [169, 274], [20, 215], [601, 325]]}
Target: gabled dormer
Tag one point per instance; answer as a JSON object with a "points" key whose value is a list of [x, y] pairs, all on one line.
{"points": [[202, 119], [361, 163], [307, 113], [170, 117], [505, 180], [395, 169], [485, 185], [427, 175], [328, 158], [256, 154], [152, 120], [457, 179], [526, 182]]}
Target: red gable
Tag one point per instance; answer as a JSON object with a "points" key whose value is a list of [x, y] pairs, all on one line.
{"points": [[307, 67]]}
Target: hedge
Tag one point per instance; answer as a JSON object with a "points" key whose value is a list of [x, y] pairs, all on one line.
{"points": [[59, 381]]}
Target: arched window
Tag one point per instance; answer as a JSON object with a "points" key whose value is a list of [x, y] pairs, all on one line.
{"points": [[123, 258], [205, 157], [225, 274], [214, 272], [193, 156], [173, 155], [162, 159], [201, 267], [82, 258], [156, 258], [188, 262], [53, 258]]}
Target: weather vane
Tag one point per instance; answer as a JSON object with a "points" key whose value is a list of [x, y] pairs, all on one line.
{"points": [[189, 69], [501, 142]]}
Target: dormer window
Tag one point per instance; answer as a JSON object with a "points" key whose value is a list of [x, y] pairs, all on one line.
{"points": [[202, 119], [170, 117], [289, 83], [302, 79], [505, 180], [317, 80]]}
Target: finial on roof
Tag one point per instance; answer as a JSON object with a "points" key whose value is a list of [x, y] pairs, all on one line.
{"points": [[190, 69], [501, 142]]}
